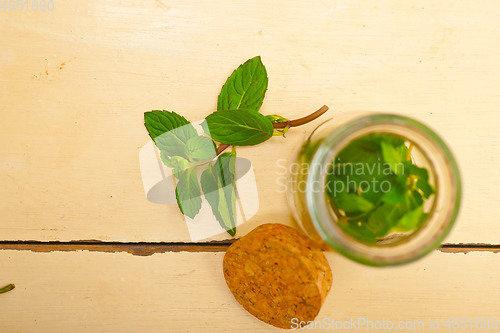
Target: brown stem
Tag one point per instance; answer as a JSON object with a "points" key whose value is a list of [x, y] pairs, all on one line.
{"points": [[221, 148], [303, 120]]}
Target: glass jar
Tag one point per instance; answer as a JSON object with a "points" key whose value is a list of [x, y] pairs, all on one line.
{"points": [[309, 202]]}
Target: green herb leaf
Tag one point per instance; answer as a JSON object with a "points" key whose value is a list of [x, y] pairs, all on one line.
{"points": [[381, 221], [200, 148], [177, 163], [426, 188], [395, 195], [419, 172], [410, 220], [238, 127], [245, 88], [392, 157], [360, 231], [388, 215], [169, 131], [274, 118], [188, 193], [423, 184], [351, 203], [219, 186]]}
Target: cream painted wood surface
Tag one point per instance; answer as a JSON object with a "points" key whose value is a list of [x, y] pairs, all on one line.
{"points": [[186, 292], [75, 81]]}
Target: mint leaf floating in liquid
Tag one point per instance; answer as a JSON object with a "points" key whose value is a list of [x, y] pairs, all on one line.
{"points": [[169, 131], [245, 88], [239, 127], [236, 123], [392, 157]]}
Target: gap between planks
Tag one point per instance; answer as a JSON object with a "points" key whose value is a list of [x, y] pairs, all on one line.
{"points": [[146, 249]]}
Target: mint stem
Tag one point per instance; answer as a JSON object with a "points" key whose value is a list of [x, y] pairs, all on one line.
{"points": [[303, 120], [290, 123], [221, 148], [7, 288]]}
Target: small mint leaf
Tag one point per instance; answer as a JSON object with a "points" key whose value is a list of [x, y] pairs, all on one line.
{"points": [[425, 187], [360, 231], [392, 157], [245, 88], [177, 163], [419, 172], [169, 131], [188, 193], [274, 118], [200, 148], [410, 220], [394, 195], [351, 203], [219, 186]]}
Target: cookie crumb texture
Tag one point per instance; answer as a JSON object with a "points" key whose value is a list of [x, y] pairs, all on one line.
{"points": [[278, 274]]}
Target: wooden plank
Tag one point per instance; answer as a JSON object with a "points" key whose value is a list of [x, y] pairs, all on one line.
{"points": [[75, 82], [186, 292]]}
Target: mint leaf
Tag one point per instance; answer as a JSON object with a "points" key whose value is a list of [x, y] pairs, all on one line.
{"points": [[177, 163], [169, 131], [351, 203], [360, 231], [426, 188], [410, 220], [419, 172], [423, 184], [381, 221], [188, 193], [395, 195], [245, 88], [388, 215], [200, 148], [238, 127], [392, 157], [219, 186]]}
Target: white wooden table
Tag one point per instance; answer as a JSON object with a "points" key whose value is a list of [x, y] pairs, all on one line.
{"points": [[76, 80]]}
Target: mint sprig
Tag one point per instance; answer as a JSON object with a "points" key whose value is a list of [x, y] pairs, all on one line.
{"points": [[237, 122]]}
